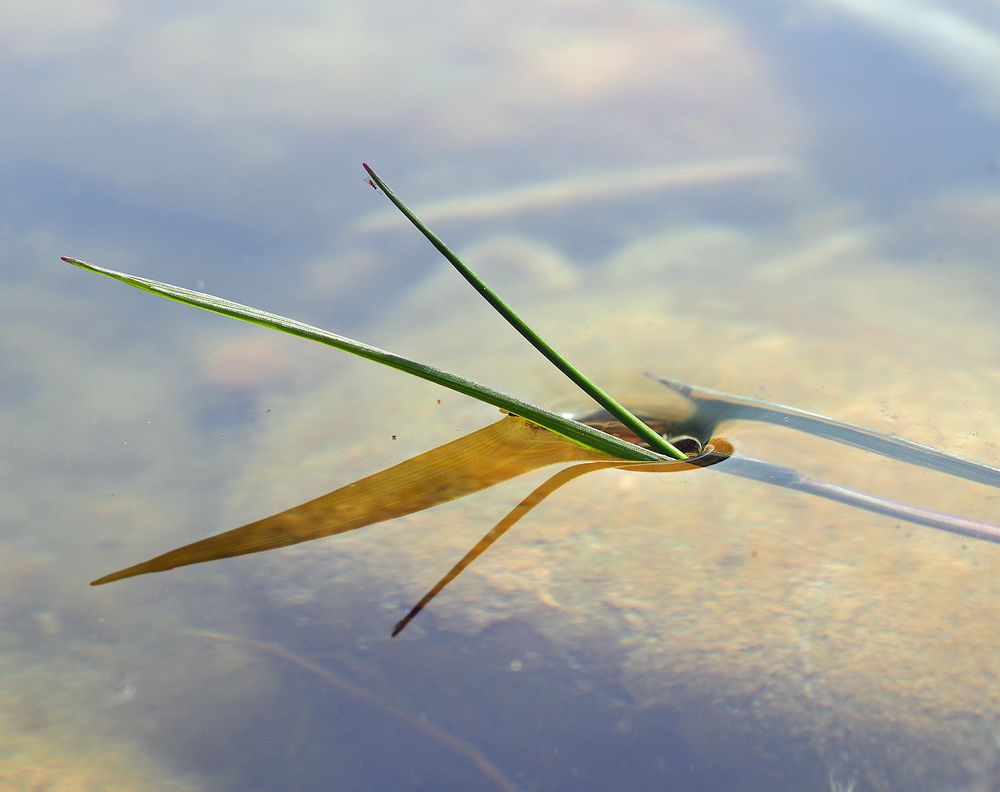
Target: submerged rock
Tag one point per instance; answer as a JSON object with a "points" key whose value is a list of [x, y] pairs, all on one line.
{"points": [[847, 625]]}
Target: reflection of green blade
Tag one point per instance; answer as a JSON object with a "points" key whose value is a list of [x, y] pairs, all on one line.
{"points": [[714, 407], [486, 457], [779, 476], [574, 430]]}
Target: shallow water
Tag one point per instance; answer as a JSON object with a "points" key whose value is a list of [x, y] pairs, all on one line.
{"points": [[709, 592], [799, 207]]}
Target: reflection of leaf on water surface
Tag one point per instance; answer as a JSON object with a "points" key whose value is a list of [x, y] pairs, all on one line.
{"points": [[495, 454], [713, 407]]}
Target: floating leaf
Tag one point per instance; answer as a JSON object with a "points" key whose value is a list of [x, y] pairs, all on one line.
{"points": [[488, 456]]}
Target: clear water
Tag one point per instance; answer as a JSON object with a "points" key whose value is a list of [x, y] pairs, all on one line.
{"points": [[795, 202]]}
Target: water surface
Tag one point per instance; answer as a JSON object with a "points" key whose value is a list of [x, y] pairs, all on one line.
{"points": [[795, 203]]}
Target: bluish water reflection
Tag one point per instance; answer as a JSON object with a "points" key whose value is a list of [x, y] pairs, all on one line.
{"points": [[614, 641]]}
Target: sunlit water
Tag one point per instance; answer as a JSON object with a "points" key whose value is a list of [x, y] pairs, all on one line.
{"points": [[799, 205]]}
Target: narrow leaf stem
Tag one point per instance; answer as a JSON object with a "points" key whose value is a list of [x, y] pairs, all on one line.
{"points": [[603, 398]]}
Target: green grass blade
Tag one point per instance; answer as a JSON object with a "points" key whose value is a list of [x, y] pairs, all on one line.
{"points": [[585, 383], [573, 430]]}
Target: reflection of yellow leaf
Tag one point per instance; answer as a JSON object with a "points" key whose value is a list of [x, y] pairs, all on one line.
{"points": [[489, 456]]}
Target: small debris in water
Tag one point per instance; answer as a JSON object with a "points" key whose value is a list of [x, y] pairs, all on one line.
{"points": [[126, 692]]}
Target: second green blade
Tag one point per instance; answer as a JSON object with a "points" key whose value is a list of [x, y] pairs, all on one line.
{"points": [[581, 380]]}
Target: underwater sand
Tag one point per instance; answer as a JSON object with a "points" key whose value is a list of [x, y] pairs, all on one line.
{"points": [[849, 625]]}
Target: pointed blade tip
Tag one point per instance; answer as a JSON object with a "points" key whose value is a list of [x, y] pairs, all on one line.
{"points": [[121, 574]]}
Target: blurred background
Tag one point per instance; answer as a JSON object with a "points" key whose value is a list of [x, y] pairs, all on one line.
{"points": [[795, 201]]}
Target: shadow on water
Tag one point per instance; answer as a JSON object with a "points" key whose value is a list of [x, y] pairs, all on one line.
{"points": [[509, 710]]}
